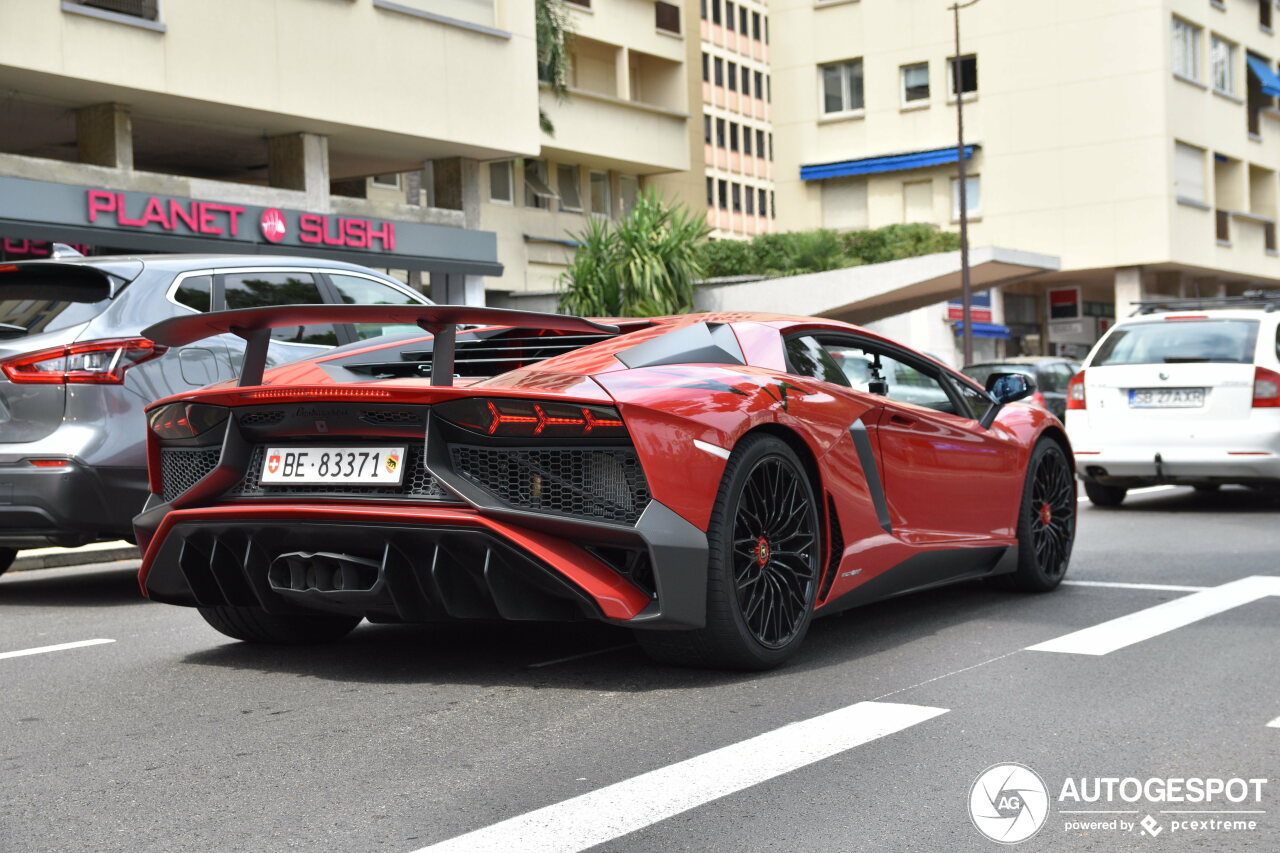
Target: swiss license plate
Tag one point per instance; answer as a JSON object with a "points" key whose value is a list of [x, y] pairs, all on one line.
{"points": [[1166, 398], [362, 466]]}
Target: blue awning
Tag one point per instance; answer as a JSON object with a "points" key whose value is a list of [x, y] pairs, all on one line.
{"points": [[889, 163], [985, 330], [1266, 76]]}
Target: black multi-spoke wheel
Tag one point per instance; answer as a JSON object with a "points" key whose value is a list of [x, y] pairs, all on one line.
{"points": [[1046, 520], [764, 556], [775, 542]]}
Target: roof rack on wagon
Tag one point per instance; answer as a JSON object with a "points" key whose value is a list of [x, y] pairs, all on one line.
{"points": [[1267, 300]]}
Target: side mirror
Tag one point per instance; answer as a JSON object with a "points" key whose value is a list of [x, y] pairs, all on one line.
{"points": [[1007, 388]]}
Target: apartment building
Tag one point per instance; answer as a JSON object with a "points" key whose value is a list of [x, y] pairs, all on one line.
{"points": [[1136, 140], [250, 126]]}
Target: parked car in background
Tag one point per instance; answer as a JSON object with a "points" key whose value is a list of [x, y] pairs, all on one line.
{"points": [[75, 371], [1051, 376], [1187, 392]]}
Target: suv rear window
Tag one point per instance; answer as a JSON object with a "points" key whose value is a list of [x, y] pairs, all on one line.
{"points": [[31, 308], [1173, 341]]}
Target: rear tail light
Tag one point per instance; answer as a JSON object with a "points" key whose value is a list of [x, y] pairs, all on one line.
{"points": [[1266, 388], [1075, 392], [184, 420], [529, 418], [49, 463], [91, 362]]}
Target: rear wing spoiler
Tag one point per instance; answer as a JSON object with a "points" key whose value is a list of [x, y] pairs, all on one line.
{"points": [[254, 325]]}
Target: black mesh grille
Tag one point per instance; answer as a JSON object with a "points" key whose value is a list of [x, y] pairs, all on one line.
{"points": [[261, 419], [183, 467], [393, 418], [605, 484], [417, 485]]}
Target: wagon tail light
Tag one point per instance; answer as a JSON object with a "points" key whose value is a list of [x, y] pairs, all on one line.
{"points": [[184, 420], [1075, 392], [1266, 388], [89, 363], [533, 418]]}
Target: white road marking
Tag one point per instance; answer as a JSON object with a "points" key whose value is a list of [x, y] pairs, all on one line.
{"points": [[79, 644], [616, 810], [1274, 724], [1125, 631], [1142, 490], [579, 657], [1159, 587]]}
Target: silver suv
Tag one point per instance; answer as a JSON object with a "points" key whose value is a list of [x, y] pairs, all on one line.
{"points": [[75, 372]]}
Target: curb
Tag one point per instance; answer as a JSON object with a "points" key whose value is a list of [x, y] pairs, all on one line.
{"points": [[49, 558]]}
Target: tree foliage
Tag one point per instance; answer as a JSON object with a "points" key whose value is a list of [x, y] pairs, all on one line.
{"points": [[642, 266], [554, 33], [799, 252]]}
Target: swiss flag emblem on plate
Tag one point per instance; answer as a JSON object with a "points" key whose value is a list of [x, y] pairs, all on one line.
{"points": [[273, 464]]}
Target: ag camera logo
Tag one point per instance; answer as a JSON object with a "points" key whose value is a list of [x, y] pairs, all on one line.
{"points": [[1008, 803]]}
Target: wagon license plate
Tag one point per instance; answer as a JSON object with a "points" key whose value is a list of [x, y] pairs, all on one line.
{"points": [[361, 466], [1166, 398]]}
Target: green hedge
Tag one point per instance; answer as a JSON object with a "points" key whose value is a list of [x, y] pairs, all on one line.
{"points": [[797, 252]]}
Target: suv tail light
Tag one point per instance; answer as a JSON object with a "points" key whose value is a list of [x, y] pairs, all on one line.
{"points": [[1266, 388], [90, 362], [1075, 392], [527, 417]]}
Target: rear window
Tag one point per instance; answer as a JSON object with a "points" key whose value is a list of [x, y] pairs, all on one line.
{"points": [[1174, 341], [28, 308]]}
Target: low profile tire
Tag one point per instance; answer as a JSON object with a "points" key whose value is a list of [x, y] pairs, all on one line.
{"points": [[1046, 521], [7, 556], [255, 625], [1100, 495], [765, 550]]}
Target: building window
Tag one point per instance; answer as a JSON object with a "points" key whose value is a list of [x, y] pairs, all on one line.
{"points": [[973, 196], [842, 86], [1188, 172], [1255, 99], [759, 90], [763, 204], [968, 81], [719, 71], [1186, 49], [733, 77], [751, 201], [711, 192], [771, 146], [720, 140], [742, 19], [628, 191], [1222, 58], [148, 10], [737, 198], [704, 10], [1264, 14], [500, 182], [537, 192], [666, 17], [915, 83], [715, 11], [728, 13], [706, 129], [600, 193], [722, 193], [733, 137], [755, 25], [746, 80], [569, 183], [706, 68], [746, 140], [760, 152], [391, 181]]}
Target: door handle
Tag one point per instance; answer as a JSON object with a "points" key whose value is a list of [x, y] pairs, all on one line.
{"points": [[902, 420]]}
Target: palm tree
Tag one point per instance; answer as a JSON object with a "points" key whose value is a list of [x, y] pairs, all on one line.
{"points": [[644, 266]]}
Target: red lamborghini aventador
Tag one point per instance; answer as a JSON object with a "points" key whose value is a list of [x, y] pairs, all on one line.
{"points": [[714, 481]]}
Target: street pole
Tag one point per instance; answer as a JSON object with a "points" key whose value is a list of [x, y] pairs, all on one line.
{"points": [[965, 283]]}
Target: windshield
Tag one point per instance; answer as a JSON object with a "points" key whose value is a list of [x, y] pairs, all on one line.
{"points": [[1174, 341]]}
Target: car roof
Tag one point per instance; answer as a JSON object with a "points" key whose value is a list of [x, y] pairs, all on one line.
{"points": [[1206, 313], [183, 262]]}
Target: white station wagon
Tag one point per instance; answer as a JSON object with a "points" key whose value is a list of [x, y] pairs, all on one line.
{"points": [[1186, 392]]}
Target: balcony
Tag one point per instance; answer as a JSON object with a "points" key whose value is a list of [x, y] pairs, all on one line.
{"points": [[606, 131]]}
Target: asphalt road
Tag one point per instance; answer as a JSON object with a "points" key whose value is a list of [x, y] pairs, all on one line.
{"points": [[174, 738]]}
